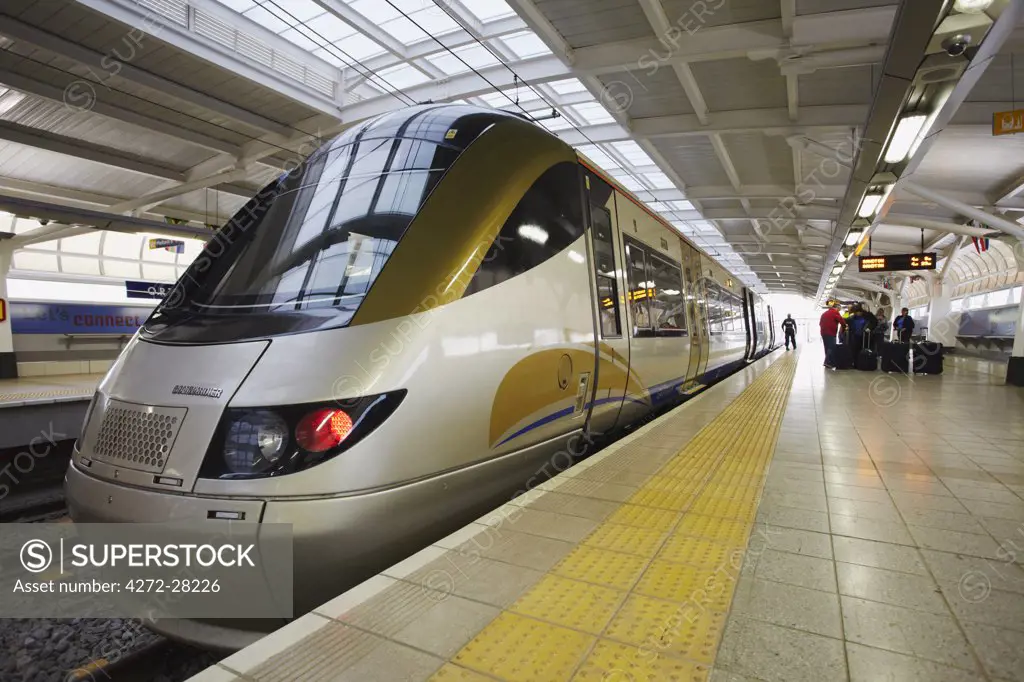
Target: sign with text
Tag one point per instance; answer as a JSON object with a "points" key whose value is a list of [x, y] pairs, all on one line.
{"points": [[172, 245], [153, 290], [154, 570], [74, 318], [1008, 122], [897, 262]]}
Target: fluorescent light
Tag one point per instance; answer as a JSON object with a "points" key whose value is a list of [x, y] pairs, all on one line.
{"points": [[853, 238], [535, 233], [971, 6], [841, 258], [868, 205], [907, 132]]}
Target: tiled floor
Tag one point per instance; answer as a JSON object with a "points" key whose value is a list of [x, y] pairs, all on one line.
{"points": [[886, 543]]}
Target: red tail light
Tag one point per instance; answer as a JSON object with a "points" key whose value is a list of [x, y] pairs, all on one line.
{"points": [[323, 429]]}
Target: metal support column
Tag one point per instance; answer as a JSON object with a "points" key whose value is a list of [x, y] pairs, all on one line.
{"points": [[8, 363]]}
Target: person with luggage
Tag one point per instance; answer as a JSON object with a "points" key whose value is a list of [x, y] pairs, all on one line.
{"points": [[858, 324], [903, 326], [829, 324], [878, 334], [789, 329], [869, 330]]}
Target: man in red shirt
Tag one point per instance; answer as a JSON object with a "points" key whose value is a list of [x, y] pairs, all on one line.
{"points": [[829, 325]]}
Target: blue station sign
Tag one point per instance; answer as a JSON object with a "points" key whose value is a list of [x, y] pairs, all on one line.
{"points": [[74, 318]]}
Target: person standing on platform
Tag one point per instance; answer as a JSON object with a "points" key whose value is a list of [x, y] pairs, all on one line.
{"points": [[829, 325], [904, 326], [858, 322], [878, 335], [789, 329]]}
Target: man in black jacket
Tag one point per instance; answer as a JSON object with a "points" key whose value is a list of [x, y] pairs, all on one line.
{"points": [[789, 329]]}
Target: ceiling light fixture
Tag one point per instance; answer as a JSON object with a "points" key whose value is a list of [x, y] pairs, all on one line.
{"points": [[903, 140], [868, 205], [971, 6], [853, 237]]}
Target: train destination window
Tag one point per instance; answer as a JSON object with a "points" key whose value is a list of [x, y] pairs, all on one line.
{"points": [[547, 220], [667, 305]]}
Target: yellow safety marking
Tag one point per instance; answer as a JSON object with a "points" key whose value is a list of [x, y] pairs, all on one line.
{"points": [[517, 648], [679, 582], [87, 671], [454, 673], [602, 567], [670, 555], [686, 629], [577, 605], [612, 661], [643, 541], [644, 517]]}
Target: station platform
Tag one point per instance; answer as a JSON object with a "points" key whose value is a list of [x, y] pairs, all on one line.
{"points": [[792, 523], [49, 389], [44, 407]]}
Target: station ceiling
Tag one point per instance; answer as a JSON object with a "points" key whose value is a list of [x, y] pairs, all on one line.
{"points": [[743, 122]]}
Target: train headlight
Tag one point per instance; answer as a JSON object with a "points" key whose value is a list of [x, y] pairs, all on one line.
{"points": [[257, 442], [254, 442]]}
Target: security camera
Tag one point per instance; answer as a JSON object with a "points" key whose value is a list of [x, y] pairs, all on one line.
{"points": [[956, 45]]}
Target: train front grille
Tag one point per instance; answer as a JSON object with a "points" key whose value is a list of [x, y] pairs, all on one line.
{"points": [[137, 436]]}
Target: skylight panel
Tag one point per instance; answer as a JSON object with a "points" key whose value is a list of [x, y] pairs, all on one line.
{"points": [[682, 205], [238, 5], [592, 113], [330, 27], [553, 124], [375, 11], [331, 56], [357, 46], [273, 22], [525, 44], [568, 86], [303, 38], [658, 180], [659, 206], [293, 11], [476, 56], [598, 156], [403, 76], [633, 153], [486, 10], [627, 181]]}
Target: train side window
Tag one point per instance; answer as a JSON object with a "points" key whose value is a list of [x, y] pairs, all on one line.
{"points": [[547, 220], [641, 289], [668, 304], [716, 312], [604, 267]]}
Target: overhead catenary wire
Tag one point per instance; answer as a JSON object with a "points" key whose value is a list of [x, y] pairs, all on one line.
{"points": [[454, 16], [365, 72]]}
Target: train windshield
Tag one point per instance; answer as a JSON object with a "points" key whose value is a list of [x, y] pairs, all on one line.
{"points": [[308, 247]]}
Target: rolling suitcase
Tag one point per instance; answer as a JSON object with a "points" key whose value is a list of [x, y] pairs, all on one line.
{"points": [[867, 359], [927, 357], [895, 357], [842, 356]]}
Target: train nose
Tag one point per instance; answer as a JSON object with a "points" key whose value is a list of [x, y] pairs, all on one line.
{"points": [[156, 412]]}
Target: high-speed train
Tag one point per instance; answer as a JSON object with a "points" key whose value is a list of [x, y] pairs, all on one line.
{"points": [[391, 340]]}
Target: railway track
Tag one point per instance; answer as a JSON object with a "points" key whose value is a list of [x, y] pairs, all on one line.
{"points": [[44, 505]]}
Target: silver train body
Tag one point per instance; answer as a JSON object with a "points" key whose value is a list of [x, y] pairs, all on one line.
{"points": [[473, 295]]}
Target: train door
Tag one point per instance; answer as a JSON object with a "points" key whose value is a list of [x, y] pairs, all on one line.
{"points": [[701, 348], [771, 325], [755, 313], [748, 325], [611, 380]]}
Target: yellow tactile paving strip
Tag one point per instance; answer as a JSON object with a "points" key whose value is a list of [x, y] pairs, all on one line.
{"points": [[645, 596]]}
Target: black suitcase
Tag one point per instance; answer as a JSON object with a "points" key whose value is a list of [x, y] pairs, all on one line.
{"points": [[842, 356], [895, 357], [927, 357], [867, 359]]}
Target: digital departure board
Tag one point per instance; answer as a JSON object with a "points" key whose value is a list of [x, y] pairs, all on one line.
{"points": [[903, 261]]}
